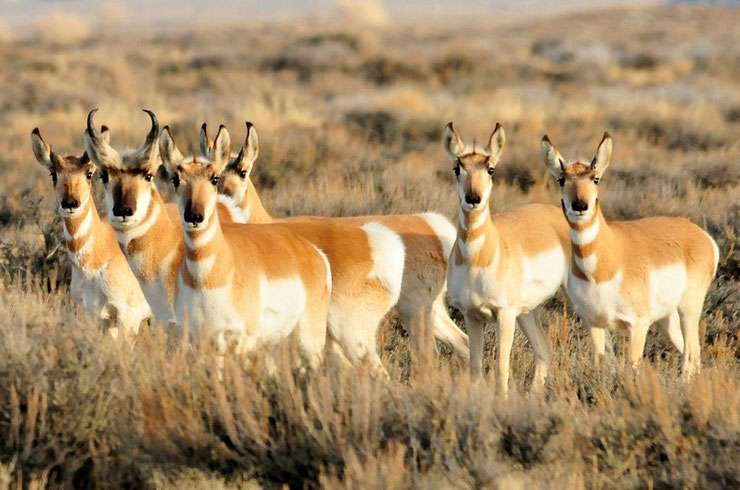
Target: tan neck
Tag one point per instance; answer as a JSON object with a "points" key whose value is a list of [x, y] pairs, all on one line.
{"points": [[252, 204], [594, 249], [478, 237], [153, 243], [209, 260], [82, 232]]}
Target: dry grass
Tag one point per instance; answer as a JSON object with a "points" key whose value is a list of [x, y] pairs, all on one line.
{"points": [[350, 122]]}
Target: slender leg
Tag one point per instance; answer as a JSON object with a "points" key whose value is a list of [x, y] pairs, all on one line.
{"points": [[638, 334], [447, 332], [532, 328], [598, 339], [475, 327], [692, 347], [670, 327], [506, 324]]}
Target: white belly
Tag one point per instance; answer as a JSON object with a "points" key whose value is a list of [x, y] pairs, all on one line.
{"points": [[599, 304], [283, 305], [667, 285], [542, 276], [207, 311]]}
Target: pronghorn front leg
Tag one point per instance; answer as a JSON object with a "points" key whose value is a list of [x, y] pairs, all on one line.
{"points": [[598, 340], [505, 329], [475, 325]]}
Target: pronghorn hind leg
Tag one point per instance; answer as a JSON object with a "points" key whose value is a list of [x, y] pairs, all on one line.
{"points": [[422, 342], [447, 331], [670, 327], [691, 363], [505, 329], [532, 328], [638, 334]]}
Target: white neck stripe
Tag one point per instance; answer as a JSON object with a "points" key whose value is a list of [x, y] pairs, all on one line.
{"points": [[585, 236]]}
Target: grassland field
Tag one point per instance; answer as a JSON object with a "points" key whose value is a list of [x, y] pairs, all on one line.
{"points": [[350, 123]]}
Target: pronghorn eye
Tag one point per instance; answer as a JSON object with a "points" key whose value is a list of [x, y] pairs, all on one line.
{"points": [[53, 175], [89, 175], [214, 180], [176, 181], [456, 169], [561, 181], [243, 174], [104, 176], [149, 177], [490, 170]]}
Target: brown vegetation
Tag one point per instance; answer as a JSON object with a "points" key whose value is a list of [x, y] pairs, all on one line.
{"points": [[349, 124]]}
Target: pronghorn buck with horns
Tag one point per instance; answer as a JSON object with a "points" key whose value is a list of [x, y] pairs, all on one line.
{"points": [[150, 240], [256, 283], [502, 266], [101, 278], [427, 237], [631, 274], [366, 262]]}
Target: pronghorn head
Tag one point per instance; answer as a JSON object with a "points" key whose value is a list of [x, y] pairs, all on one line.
{"points": [[71, 175], [474, 166], [234, 183], [196, 178], [578, 180], [128, 176]]}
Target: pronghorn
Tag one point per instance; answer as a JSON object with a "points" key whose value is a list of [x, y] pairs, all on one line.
{"points": [[150, 240], [366, 262], [632, 273], [427, 237], [502, 266], [101, 279]]}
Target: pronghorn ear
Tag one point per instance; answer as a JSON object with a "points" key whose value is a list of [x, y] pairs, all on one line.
{"points": [[98, 147], [206, 143], [603, 156], [41, 150], [250, 151], [452, 142], [221, 148], [171, 156], [496, 144], [554, 162]]}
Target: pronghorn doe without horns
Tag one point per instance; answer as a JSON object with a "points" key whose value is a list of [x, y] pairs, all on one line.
{"points": [[366, 262], [632, 273], [502, 266], [101, 278], [427, 237], [256, 283]]}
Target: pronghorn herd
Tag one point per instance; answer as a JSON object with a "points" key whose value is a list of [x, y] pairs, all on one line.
{"points": [[217, 265]]}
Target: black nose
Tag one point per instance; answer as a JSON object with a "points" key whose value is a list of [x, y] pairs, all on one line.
{"points": [[579, 205], [193, 217], [70, 203], [472, 198], [122, 211]]}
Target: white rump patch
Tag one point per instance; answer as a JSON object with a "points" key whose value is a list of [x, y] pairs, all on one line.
{"points": [[328, 267], [389, 256], [443, 228]]}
